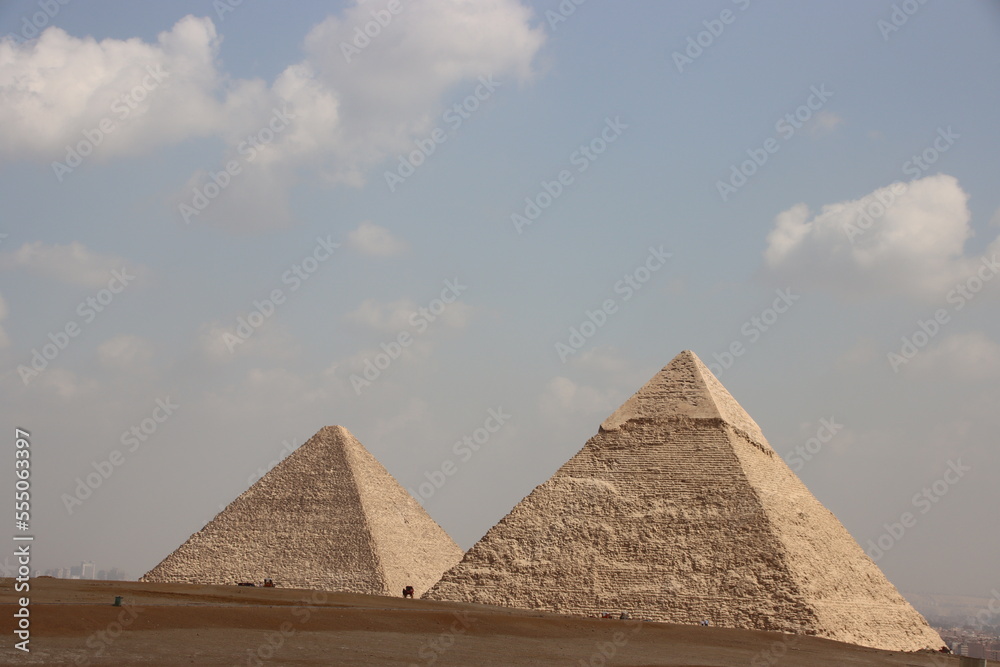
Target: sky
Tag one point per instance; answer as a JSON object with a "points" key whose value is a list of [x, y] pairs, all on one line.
{"points": [[227, 224]]}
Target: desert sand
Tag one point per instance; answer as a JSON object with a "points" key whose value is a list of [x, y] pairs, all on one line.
{"points": [[75, 622]]}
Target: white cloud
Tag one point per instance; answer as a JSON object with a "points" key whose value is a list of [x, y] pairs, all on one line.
{"points": [[370, 239], [73, 264], [56, 88], [383, 317], [824, 122], [456, 316], [564, 396], [393, 317], [65, 383], [912, 247], [343, 117], [390, 92], [349, 116], [126, 352], [966, 356], [221, 343]]}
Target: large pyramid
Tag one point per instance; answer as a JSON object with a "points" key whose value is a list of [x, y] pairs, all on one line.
{"points": [[678, 510], [328, 517]]}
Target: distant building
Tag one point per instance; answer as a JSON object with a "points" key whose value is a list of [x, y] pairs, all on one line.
{"points": [[75, 572], [975, 650], [87, 570]]}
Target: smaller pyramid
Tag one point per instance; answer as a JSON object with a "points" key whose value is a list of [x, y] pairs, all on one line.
{"points": [[328, 517]]}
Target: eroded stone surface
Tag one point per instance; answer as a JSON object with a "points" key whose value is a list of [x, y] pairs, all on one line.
{"points": [[328, 517], [679, 510]]}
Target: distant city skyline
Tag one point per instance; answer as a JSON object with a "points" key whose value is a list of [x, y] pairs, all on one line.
{"points": [[86, 570]]}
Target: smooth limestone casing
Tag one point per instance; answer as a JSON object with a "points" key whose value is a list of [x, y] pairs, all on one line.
{"points": [[328, 517], [678, 510]]}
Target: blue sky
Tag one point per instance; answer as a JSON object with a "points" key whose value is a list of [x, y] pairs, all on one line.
{"points": [[329, 127]]}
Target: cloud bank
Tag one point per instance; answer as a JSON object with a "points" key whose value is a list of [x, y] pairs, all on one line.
{"points": [[353, 101], [907, 239]]}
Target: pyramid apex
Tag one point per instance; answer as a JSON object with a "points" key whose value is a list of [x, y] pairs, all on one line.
{"points": [[684, 389], [335, 433], [335, 429]]}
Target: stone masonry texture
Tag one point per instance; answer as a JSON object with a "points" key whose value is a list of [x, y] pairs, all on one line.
{"points": [[328, 517], [679, 510]]}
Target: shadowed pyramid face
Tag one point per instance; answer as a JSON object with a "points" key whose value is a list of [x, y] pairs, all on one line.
{"points": [[679, 510], [328, 517]]}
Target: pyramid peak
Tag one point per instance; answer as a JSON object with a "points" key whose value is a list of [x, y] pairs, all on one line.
{"points": [[684, 389], [335, 430]]}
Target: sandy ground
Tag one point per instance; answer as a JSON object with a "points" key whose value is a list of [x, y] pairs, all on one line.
{"points": [[74, 622]]}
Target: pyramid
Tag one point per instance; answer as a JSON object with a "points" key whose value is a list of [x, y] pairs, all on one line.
{"points": [[679, 510], [328, 517]]}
